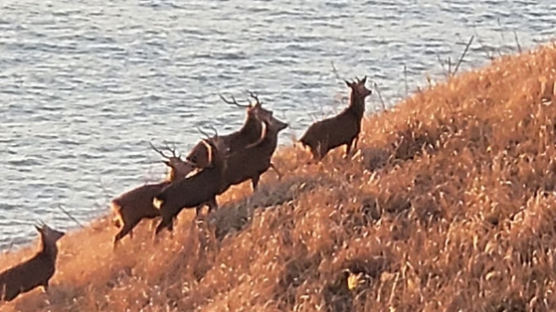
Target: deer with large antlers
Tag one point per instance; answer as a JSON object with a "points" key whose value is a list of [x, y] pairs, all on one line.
{"points": [[342, 129], [248, 134], [34, 272], [255, 159], [135, 205], [193, 191]]}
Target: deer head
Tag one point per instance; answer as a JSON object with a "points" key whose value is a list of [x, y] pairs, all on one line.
{"points": [[177, 166], [255, 111], [358, 87], [270, 126], [49, 236]]}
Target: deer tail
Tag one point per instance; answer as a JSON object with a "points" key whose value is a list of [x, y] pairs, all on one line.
{"points": [[118, 219]]}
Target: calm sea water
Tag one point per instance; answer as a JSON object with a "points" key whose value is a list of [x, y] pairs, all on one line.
{"points": [[85, 85]]}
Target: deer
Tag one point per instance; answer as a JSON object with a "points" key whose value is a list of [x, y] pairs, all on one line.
{"points": [[247, 134], [193, 191], [255, 159], [34, 272], [342, 129], [137, 204]]}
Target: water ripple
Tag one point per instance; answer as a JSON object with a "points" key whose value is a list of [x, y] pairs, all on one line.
{"points": [[84, 87]]}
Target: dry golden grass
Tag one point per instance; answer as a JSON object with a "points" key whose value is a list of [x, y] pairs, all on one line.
{"points": [[449, 205]]}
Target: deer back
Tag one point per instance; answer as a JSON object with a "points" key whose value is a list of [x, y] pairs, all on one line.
{"points": [[248, 134], [138, 202], [193, 190], [254, 159]]}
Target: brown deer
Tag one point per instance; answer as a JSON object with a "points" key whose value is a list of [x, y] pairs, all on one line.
{"points": [[342, 129], [34, 272], [255, 159], [192, 191], [249, 133], [135, 205]]}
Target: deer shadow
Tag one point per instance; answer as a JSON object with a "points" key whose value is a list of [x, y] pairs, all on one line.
{"points": [[235, 216]]}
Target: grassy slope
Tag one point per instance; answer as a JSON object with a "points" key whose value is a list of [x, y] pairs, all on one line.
{"points": [[449, 204]]}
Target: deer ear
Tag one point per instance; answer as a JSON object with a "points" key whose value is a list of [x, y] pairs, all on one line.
{"points": [[39, 229], [348, 83], [364, 80], [167, 163], [209, 150]]}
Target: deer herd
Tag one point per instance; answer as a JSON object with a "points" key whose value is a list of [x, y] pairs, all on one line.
{"points": [[212, 166]]}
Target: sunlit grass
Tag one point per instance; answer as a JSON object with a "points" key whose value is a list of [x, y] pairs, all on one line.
{"points": [[449, 204]]}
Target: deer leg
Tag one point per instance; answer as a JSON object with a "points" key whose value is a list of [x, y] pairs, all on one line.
{"points": [[164, 223], [322, 153], [212, 204], [255, 181], [153, 223], [276, 170], [322, 149], [315, 154], [198, 210], [171, 227], [355, 141], [45, 286], [348, 149], [352, 145], [124, 231], [171, 224], [318, 152]]}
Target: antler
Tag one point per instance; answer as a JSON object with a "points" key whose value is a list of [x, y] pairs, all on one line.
{"points": [[214, 130], [172, 150], [357, 80], [233, 102], [39, 225], [206, 135], [201, 131], [255, 97]]}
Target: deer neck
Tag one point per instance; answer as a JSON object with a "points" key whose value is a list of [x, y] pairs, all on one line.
{"points": [[171, 175], [251, 125], [49, 250], [219, 166], [175, 174], [356, 104], [270, 140]]}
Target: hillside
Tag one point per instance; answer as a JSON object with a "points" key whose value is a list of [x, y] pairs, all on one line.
{"points": [[449, 204]]}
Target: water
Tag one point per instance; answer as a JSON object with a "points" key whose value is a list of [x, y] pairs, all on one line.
{"points": [[84, 85]]}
